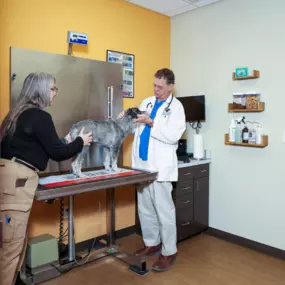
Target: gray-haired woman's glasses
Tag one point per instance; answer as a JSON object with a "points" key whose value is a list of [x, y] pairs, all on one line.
{"points": [[55, 89]]}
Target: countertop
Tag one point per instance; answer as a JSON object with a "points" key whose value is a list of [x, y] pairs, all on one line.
{"points": [[193, 162]]}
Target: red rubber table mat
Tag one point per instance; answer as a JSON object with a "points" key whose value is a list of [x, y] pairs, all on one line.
{"points": [[69, 179]]}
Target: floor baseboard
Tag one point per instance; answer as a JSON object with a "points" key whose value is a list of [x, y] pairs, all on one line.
{"points": [[263, 248]]}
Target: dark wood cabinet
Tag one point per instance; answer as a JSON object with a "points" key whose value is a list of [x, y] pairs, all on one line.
{"points": [[191, 198]]}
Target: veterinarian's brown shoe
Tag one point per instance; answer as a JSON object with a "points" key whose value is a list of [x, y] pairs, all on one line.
{"points": [[164, 263], [148, 250]]}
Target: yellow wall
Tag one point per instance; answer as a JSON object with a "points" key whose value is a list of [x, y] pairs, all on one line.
{"points": [[110, 24]]}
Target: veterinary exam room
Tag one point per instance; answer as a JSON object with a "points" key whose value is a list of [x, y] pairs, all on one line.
{"points": [[141, 142]]}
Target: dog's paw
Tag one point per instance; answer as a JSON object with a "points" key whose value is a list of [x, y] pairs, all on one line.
{"points": [[108, 169], [115, 169], [81, 175]]}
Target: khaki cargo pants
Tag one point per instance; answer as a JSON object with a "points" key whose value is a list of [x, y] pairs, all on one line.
{"points": [[18, 185]]}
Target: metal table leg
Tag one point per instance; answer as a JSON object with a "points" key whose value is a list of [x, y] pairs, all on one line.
{"points": [[136, 264], [71, 245], [110, 211], [71, 242]]}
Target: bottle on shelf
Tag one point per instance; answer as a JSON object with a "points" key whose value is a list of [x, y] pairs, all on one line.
{"points": [[259, 134], [245, 134], [238, 136], [232, 131]]}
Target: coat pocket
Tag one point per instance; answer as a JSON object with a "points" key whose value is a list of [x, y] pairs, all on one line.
{"points": [[15, 219], [7, 182]]}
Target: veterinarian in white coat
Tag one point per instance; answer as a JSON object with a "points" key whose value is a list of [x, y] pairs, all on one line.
{"points": [[154, 148]]}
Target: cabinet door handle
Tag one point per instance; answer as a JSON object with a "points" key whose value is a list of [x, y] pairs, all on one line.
{"points": [[185, 224], [186, 202], [189, 173], [198, 186], [204, 170], [185, 188]]}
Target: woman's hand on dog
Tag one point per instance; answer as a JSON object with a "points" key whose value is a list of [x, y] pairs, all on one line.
{"points": [[68, 138], [121, 115], [87, 138]]}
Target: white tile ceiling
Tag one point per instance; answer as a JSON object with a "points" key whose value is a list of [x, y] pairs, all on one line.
{"points": [[172, 7]]}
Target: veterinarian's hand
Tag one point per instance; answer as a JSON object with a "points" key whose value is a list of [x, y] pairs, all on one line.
{"points": [[144, 119], [121, 115], [87, 138]]}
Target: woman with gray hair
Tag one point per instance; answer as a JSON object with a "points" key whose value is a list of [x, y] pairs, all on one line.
{"points": [[28, 140]]}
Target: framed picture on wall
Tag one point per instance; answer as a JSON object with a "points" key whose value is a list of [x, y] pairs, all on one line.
{"points": [[128, 62]]}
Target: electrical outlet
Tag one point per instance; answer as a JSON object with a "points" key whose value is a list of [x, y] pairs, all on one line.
{"points": [[65, 212]]}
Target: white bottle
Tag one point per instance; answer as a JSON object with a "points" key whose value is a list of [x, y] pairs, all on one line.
{"points": [[238, 132], [259, 134], [232, 132]]}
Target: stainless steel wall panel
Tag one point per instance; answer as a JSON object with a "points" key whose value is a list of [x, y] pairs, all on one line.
{"points": [[83, 92]]}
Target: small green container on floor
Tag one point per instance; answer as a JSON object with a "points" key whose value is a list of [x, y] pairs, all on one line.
{"points": [[41, 250]]}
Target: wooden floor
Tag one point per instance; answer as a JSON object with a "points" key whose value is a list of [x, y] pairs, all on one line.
{"points": [[202, 260]]}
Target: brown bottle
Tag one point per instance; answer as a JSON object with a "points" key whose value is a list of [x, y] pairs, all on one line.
{"points": [[245, 134]]}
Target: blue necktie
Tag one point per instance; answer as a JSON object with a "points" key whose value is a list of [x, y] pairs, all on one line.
{"points": [[145, 135]]}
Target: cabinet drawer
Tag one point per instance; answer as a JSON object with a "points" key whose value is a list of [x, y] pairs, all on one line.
{"points": [[185, 201], [184, 187], [190, 172], [184, 214], [185, 230], [201, 170], [185, 173], [184, 223]]}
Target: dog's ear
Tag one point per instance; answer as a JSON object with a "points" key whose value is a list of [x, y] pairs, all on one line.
{"points": [[133, 114], [139, 112]]}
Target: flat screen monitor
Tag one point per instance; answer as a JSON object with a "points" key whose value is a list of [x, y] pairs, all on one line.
{"points": [[194, 107]]}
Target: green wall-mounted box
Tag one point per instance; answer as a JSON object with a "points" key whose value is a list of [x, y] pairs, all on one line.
{"points": [[241, 72]]}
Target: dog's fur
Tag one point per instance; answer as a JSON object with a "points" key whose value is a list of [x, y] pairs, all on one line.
{"points": [[109, 133]]}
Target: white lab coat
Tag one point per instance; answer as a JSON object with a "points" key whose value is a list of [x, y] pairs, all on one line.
{"points": [[163, 142]]}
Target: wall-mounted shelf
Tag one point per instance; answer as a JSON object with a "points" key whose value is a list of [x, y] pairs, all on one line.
{"points": [[264, 142], [255, 75], [233, 109]]}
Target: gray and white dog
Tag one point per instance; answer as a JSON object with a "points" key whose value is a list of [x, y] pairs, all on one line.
{"points": [[109, 133]]}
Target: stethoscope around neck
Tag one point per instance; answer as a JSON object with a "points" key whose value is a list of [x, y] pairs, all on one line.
{"points": [[166, 110]]}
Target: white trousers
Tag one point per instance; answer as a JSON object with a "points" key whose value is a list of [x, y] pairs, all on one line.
{"points": [[157, 216]]}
